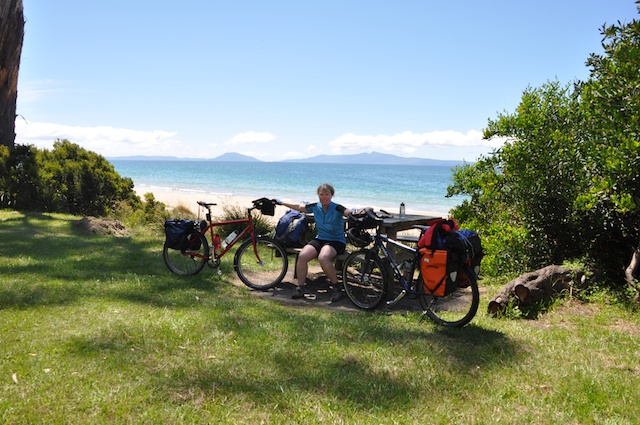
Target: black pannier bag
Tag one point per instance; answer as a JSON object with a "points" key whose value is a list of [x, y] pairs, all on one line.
{"points": [[466, 248], [183, 234]]}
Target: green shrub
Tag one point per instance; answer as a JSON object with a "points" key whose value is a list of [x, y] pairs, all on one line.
{"points": [[67, 179]]}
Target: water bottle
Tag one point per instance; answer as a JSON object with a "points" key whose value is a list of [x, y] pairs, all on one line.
{"points": [[216, 243], [402, 210], [229, 239], [406, 269]]}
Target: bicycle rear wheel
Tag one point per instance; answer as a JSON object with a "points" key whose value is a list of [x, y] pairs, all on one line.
{"points": [[267, 272], [456, 309], [365, 279], [183, 262]]}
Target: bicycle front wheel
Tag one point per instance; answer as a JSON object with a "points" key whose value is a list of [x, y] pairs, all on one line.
{"points": [[456, 309], [266, 272], [184, 262], [365, 279]]}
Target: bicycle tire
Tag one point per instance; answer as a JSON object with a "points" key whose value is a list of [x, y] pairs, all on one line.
{"points": [[456, 309], [268, 273], [182, 262], [365, 279]]}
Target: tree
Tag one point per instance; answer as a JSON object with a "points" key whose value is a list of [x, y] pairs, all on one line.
{"points": [[567, 182], [611, 144], [11, 37], [524, 192]]}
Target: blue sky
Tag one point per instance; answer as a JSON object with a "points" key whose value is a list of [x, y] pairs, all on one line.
{"points": [[293, 79]]}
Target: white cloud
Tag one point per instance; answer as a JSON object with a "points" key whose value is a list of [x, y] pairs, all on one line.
{"points": [[107, 141], [251, 137], [408, 141]]}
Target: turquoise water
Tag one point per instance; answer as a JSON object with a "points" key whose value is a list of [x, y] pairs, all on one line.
{"points": [[421, 188]]}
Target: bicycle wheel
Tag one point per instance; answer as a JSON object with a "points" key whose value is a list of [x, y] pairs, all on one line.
{"points": [[456, 309], [365, 279], [269, 271], [184, 262]]}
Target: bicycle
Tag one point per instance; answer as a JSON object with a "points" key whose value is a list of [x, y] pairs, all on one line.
{"points": [[260, 262], [369, 274]]}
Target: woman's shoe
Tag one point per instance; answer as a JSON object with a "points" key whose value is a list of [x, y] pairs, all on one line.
{"points": [[298, 293]]}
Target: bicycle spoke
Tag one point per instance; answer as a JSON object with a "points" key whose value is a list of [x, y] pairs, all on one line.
{"points": [[266, 272], [456, 309], [364, 280], [185, 262]]}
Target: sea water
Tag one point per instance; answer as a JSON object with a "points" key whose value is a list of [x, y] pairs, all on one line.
{"points": [[421, 188]]}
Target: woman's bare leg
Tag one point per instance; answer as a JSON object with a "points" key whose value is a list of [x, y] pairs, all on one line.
{"points": [[325, 258], [307, 254]]}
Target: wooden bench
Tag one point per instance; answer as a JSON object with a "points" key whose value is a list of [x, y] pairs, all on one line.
{"points": [[411, 238], [407, 238], [338, 260]]}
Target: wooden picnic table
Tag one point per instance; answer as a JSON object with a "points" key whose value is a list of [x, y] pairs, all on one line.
{"points": [[394, 224]]}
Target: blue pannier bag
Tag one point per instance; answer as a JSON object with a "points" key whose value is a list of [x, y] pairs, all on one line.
{"points": [[182, 234], [291, 229]]}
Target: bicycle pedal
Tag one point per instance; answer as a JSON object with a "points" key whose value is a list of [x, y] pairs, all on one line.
{"points": [[219, 272]]}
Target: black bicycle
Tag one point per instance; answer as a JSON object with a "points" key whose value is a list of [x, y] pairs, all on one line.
{"points": [[369, 275]]}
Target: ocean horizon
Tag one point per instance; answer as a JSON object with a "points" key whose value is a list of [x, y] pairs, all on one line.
{"points": [[421, 188]]}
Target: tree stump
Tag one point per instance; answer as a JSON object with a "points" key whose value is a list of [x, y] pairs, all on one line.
{"points": [[535, 286]]}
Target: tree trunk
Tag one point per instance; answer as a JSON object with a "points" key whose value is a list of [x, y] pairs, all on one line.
{"points": [[632, 271], [535, 286], [11, 37]]}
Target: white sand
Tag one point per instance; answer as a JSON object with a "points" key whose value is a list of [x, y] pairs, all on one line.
{"points": [[174, 198]]}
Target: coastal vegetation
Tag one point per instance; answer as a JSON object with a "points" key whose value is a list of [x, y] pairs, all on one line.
{"points": [[566, 184]]}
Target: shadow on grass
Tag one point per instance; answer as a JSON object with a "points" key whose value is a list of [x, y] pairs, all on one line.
{"points": [[359, 367]]}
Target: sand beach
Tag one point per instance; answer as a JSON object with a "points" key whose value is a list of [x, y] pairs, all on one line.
{"points": [[174, 198]]}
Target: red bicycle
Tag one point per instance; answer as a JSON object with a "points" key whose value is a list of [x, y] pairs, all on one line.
{"points": [[260, 261]]}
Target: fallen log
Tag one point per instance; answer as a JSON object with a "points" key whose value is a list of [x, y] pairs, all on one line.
{"points": [[535, 286]]}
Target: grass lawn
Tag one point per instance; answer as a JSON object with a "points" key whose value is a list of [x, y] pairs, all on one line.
{"points": [[95, 329]]}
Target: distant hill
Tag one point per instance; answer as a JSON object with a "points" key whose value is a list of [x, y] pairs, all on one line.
{"points": [[234, 157], [374, 158], [359, 158]]}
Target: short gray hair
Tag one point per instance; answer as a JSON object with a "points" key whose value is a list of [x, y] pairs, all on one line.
{"points": [[327, 187]]}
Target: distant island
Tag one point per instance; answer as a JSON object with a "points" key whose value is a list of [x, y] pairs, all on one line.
{"points": [[372, 158]]}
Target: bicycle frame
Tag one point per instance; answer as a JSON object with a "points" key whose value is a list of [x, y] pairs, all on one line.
{"points": [[217, 254], [380, 242]]}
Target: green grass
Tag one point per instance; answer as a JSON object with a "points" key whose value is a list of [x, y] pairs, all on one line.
{"points": [[96, 330]]}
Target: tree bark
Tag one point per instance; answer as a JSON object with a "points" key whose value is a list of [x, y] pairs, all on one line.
{"points": [[11, 38], [535, 286], [632, 270]]}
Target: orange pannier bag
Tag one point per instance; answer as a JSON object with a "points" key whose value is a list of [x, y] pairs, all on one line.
{"points": [[439, 273]]}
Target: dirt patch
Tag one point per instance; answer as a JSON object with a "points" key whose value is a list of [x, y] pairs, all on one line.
{"points": [[101, 226]]}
